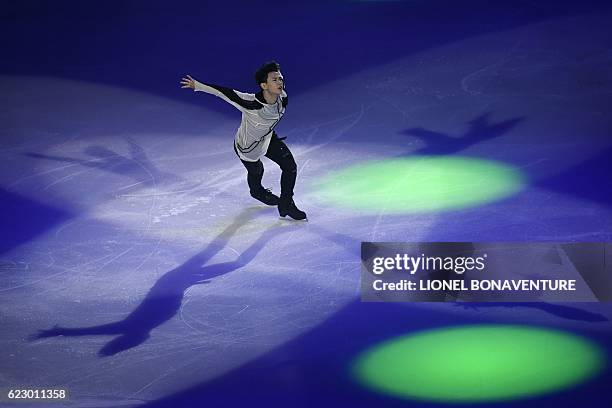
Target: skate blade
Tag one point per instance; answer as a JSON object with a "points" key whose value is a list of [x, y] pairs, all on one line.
{"points": [[286, 218]]}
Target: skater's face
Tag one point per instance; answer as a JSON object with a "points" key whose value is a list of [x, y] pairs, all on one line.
{"points": [[274, 84]]}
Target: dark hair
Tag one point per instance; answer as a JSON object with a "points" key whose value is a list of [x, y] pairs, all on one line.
{"points": [[261, 75]]}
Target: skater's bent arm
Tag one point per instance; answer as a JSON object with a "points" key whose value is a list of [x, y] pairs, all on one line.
{"points": [[240, 100]]}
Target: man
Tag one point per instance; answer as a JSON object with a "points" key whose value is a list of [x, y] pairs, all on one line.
{"points": [[256, 137]]}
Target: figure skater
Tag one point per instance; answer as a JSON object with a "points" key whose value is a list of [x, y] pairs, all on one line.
{"points": [[256, 137]]}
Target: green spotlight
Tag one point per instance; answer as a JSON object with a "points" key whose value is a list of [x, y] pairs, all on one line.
{"points": [[419, 184], [478, 364]]}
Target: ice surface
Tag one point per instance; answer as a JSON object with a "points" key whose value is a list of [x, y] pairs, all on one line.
{"points": [[155, 271]]}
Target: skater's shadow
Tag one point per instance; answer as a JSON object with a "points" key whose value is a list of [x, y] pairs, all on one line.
{"points": [[137, 165], [164, 299], [562, 311], [480, 129]]}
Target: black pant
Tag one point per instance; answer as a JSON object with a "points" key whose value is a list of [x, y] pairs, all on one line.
{"points": [[280, 154]]}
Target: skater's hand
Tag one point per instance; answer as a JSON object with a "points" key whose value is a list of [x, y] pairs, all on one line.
{"points": [[188, 82], [52, 332]]}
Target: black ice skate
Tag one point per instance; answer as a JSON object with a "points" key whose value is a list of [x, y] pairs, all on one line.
{"points": [[266, 196], [287, 207]]}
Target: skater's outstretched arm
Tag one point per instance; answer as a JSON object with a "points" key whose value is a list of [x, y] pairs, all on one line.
{"points": [[242, 101]]}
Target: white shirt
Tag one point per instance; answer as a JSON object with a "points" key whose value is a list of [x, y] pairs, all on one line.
{"points": [[258, 118]]}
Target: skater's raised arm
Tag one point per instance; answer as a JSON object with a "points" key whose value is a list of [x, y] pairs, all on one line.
{"points": [[240, 100]]}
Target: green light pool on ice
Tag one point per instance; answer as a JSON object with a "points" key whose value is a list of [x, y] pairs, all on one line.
{"points": [[478, 364], [419, 184]]}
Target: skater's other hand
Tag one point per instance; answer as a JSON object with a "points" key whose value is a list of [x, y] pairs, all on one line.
{"points": [[188, 82]]}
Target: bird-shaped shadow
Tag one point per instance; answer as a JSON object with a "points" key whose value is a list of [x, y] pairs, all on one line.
{"points": [[137, 165], [164, 299], [480, 129]]}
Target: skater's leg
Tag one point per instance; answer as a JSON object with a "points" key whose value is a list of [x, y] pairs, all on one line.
{"points": [[279, 153], [255, 171]]}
